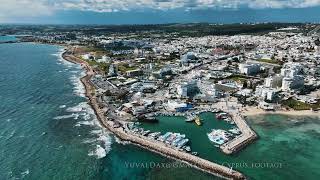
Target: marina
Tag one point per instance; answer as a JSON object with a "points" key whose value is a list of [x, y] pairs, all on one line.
{"points": [[197, 135]]}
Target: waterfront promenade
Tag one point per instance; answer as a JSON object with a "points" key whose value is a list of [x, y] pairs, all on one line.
{"points": [[197, 162]]}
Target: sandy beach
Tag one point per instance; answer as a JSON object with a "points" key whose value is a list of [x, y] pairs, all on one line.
{"points": [[254, 111]]}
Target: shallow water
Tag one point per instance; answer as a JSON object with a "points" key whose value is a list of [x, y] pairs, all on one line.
{"points": [[287, 148]]}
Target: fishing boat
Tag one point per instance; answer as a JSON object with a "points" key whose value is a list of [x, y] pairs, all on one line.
{"points": [[235, 131], [215, 110], [219, 136], [187, 148], [198, 121], [221, 115], [190, 119], [194, 153], [228, 119]]}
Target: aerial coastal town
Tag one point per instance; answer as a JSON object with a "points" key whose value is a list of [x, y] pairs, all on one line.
{"points": [[133, 78]]}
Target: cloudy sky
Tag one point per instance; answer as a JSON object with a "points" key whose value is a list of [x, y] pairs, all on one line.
{"points": [[157, 11]]}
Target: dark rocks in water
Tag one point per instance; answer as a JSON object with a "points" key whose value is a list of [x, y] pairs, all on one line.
{"points": [[317, 42]]}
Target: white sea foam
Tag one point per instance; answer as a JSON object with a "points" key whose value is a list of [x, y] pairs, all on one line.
{"points": [[43, 133], [24, 173], [119, 141], [62, 106], [106, 139], [87, 117], [60, 58], [102, 143], [102, 139], [89, 141], [81, 107], [88, 123], [99, 152], [78, 86], [75, 78], [11, 134], [86, 113], [97, 131], [73, 115]]}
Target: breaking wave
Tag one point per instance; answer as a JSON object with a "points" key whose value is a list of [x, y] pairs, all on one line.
{"points": [[99, 152], [100, 140]]}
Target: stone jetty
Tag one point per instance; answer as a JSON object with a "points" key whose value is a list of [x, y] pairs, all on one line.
{"points": [[247, 136]]}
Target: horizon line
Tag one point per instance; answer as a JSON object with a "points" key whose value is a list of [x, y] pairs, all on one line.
{"points": [[141, 24]]}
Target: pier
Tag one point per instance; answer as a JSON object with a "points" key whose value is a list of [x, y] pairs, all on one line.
{"points": [[158, 147], [247, 136]]}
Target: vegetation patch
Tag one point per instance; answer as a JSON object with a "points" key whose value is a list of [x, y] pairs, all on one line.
{"points": [[298, 105], [124, 67], [100, 65], [271, 61]]}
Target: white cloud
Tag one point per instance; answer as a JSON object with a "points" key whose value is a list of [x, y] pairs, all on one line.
{"points": [[277, 4], [24, 8], [30, 8], [124, 5]]}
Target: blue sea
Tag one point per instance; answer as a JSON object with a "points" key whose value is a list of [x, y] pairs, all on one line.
{"points": [[48, 130]]}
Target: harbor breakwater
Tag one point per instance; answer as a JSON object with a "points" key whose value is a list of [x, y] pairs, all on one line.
{"points": [[247, 136], [197, 162]]}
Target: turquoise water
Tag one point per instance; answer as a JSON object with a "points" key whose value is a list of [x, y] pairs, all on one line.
{"points": [[197, 135], [287, 149], [292, 141], [7, 38], [48, 131]]}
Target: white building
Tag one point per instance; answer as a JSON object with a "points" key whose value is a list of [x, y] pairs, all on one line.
{"points": [[190, 57], [291, 69], [266, 106], [295, 82], [88, 57], [172, 105], [266, 93], [113, 70], [249, 69], [292, 76], [273, 81], [138, 52], [104, 59], [187, 89]]}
